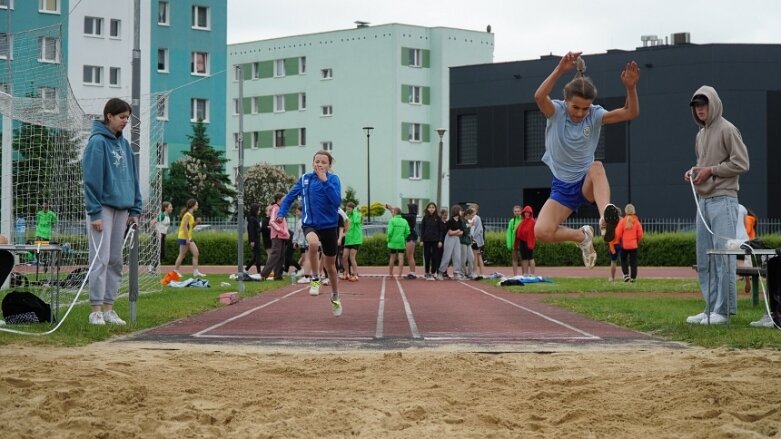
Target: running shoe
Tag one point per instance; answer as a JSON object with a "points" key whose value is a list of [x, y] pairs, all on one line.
{"points": [[96, 318], [113, 318], [197, 273], [336, 306], [314, 287], [411, 276], [354, 278], [303, 280], [610, 220], [765, 322], [587, 247]]}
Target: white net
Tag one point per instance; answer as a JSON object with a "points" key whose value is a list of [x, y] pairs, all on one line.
{"points": [[48, 132]]}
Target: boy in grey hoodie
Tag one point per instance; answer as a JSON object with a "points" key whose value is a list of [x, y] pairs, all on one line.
{"points": [[721, 158]]}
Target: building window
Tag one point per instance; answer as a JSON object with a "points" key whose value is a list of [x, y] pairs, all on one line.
{"points": [[236, 140], [236, 107], [115, 27], [201, 18], [113, 76], [162, 155], [301, 170], [93, 75], [415, 131], [255, 105], [534, 135], [5, 46], [302, 101], [279, 67], [162, 60], [163, 13], [326, 110], [326, 73], [255, 140], [415, 93], [302, 136], [49, 99], [49, 6], [415, 57], [415, 170], [256, 70], [279, 103], [279, 138], [466, 146], [302, 65], [199, 110], [327, 145], [6, 4], [50, 49], [161, 110], [93, 26], [200, 63]]}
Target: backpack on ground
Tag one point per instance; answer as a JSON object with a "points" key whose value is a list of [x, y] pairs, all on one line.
{"points": [[25, 307]]}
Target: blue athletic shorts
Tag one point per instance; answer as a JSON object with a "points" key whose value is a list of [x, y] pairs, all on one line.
{"points": [[570, 195]]}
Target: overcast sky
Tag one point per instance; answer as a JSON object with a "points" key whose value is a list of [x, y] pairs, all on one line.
{"points": [[522, 29]]}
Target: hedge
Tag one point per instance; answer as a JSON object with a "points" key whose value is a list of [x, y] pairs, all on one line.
{"points": [[660, 249]]}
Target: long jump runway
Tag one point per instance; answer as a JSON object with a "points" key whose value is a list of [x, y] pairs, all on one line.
{"points": [[384, 312]]}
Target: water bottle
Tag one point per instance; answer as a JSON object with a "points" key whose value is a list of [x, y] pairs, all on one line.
{"points": [[21, 230]]}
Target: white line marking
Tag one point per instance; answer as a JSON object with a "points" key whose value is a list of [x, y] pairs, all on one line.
{"points": [[244, 314], [588, 335], [413, 327], [380, 312]]}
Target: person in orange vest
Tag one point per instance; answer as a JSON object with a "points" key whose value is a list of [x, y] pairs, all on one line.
{"points": [[629, 232]]}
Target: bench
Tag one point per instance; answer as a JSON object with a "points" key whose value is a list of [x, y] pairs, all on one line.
{"points": [[754, 272]]}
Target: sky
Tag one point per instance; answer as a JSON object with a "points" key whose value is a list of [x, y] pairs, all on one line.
{"points": [[523, 30]]}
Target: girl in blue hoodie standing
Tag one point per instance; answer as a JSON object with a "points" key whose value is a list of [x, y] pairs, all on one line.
{"points": [[321, 197], [113, 201]]}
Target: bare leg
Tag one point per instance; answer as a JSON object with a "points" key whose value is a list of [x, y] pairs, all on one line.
{"points": [[196, 253], [548, 227], [180, 258], [515, 262], [596, 187], [314, 246], [532, 266], [330, 268], [524, 266], [411, 256]]}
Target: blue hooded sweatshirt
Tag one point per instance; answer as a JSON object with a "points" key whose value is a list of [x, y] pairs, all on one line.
{"points": [[320, 200], [110, 177]]}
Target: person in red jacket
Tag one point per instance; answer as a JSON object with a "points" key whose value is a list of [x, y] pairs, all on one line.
{"points": [[524, 240], [629, 232]]}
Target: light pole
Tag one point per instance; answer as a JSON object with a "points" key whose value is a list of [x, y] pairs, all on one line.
{"points": [[368, 176], [441, 132]]}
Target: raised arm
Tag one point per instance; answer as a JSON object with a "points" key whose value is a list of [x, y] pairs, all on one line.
{"points": [[542, 95], [631, 109]]}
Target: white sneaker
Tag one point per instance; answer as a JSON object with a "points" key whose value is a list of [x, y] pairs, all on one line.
{"points": [[696, 319], [765, 322], [197, 273], [113, 318], [715, 319], [336, 306], [96, 318], [326, 281], [303, 280], [314, 287], [587, 247]]}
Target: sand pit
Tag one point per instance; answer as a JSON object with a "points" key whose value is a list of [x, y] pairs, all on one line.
{"points": [[127, 390]]}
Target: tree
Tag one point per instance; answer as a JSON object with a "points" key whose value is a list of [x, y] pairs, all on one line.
{"points": [[200, 174], [349, 195], [262, 181]]}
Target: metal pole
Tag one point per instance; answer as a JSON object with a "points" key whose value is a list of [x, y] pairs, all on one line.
{"points": [[135, 138], [240, 182], [441, 132], [368, 176]]}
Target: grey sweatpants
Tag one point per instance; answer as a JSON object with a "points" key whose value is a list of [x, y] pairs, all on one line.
{"points": [[451, 251], [106, 273]]}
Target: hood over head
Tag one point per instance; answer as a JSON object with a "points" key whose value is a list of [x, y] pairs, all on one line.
{"points": [[708, 95]]}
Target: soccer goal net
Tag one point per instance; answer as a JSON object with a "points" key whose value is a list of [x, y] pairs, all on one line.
{"points": [[44, 132]]}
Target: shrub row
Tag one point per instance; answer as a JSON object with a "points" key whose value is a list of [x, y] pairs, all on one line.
{"points": [[662, 249]]}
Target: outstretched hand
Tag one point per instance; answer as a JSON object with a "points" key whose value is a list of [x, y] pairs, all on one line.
{"points": [[569, 61], [630, 75]]}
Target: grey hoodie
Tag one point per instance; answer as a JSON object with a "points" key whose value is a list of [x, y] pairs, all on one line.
{"points": [[719, 145]]}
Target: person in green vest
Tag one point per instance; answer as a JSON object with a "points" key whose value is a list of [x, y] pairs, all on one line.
{"points": [[512, 225], [352, 242], [43, 225], [398, 230]]}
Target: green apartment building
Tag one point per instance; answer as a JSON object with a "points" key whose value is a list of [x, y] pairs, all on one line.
{"points": [[318, 91]]}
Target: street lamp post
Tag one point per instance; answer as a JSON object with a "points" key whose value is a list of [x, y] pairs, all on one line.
{"points": [[368, 176], [441, 132]]}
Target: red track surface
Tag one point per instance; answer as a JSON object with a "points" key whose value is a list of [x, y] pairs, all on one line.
{"points": [[380, 311]]}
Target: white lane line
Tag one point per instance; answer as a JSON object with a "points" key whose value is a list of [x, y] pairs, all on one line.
{"points": [[586, 334], [381, 312], [244, 314], [413, 327]]}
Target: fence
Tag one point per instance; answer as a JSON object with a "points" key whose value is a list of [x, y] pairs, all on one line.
{"points": [[650, 225]]}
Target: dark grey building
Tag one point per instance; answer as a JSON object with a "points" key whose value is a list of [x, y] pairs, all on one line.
{"points": [[497, 132]]}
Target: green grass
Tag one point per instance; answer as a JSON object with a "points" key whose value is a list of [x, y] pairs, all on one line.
{"points": [[153, 310], [657, 307]]}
